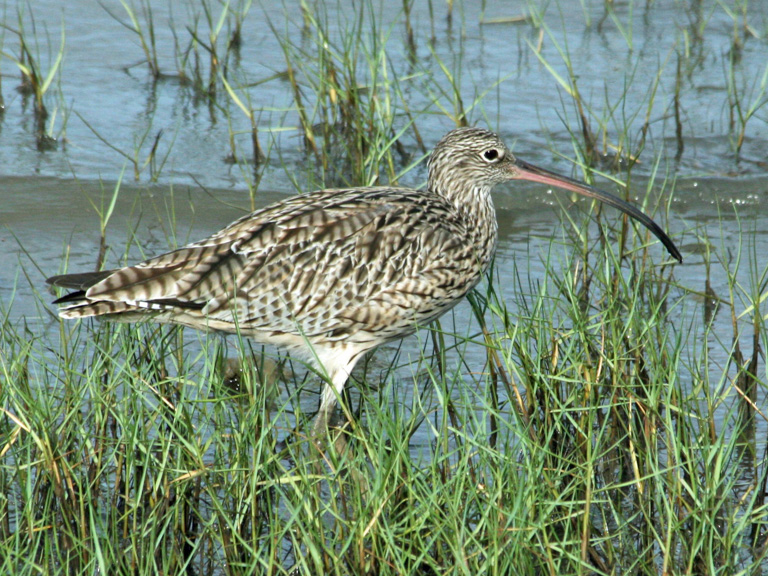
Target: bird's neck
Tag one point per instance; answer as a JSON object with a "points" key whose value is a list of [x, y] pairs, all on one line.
{"points": [[476, 209]]}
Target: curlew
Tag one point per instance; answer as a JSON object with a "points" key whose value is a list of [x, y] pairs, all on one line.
{"points": [[333, 274]]}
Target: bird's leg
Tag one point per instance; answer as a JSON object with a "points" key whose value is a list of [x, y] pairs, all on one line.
{"points": [[331, 391], [327, 406]]}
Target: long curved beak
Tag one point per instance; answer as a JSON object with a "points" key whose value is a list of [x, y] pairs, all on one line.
{"points": [[523, 171]]}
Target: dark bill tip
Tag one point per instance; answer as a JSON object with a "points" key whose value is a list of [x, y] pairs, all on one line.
{"points": [[525, 171]]}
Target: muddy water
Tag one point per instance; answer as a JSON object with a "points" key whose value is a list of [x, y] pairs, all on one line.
{"points": [[50, 199]]}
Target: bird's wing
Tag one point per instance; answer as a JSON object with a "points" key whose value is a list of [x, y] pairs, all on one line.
{"points": [[328, 264], [192, 273], [357, 270]]}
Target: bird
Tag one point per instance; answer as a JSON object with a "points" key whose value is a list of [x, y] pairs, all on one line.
{"points": [[332, 274]]}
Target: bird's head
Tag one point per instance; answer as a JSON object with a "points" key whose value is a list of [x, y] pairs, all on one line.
{"points": [[467, 159], [468, 162]]}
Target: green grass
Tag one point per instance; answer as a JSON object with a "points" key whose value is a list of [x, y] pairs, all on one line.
{"points": [[37, 82], [592, 419]]}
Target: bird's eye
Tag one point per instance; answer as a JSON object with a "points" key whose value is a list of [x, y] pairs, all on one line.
{"points": [[491, 155]]}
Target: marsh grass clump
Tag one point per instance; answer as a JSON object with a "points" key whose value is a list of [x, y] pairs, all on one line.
{"points": [[223, 24], [347, 94], [198, 56], [747, 94], [36, 82]]}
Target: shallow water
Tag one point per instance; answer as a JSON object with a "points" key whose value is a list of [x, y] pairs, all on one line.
{"points": [[102, 84]]}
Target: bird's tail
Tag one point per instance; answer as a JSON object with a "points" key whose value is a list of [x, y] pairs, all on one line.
{"points": [[76, 305], [81, 281]]}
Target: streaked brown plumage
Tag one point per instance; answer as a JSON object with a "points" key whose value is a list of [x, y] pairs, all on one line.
{"points": [[334, 273]]}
